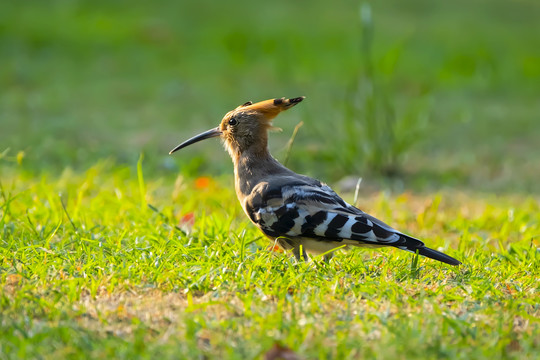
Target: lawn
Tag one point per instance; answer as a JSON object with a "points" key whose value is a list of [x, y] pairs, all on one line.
{"points": [[125, 271], [109, 247]]}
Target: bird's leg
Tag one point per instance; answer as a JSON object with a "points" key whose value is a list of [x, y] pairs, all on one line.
{"points": [[300, 253], [298, 249], [328, 257]]}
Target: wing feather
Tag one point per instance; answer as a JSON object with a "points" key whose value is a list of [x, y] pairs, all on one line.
{"points": [[314, 211]]}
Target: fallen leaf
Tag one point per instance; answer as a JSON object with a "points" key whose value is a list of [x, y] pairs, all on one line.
{"points": [[202, 182], [280, 352]]}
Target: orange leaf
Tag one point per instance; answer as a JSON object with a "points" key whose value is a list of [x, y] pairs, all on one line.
{"points": [[276, 248], [202, 182], [187, 220]]}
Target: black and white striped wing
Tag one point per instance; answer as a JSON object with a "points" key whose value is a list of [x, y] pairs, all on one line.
{"points": [[315, 211]]}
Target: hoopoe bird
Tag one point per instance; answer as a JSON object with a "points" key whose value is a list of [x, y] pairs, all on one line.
{"points": [[299, 213]]}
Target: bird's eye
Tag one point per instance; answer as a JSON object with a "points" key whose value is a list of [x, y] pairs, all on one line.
{"points": [[232, 121]]}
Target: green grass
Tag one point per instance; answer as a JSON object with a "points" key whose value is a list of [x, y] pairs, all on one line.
{"points": [[105, 252], [109, 276]]}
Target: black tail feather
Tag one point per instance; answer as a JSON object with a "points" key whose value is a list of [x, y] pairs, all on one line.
{"points": [[414, 245], [437, 255]]}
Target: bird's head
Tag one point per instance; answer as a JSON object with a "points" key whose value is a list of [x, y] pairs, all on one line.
{"points": [[246, 126]]}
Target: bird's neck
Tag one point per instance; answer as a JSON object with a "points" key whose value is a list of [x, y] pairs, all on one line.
{"points": [[252, 166]]}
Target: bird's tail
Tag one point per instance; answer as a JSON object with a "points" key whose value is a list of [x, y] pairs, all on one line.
{"points": [[414, 245]]}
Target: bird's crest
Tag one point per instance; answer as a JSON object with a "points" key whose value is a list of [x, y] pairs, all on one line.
{"points": [[270, 108]]}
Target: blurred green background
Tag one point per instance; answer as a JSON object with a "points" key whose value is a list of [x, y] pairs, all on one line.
{"points": [[455, 83]]}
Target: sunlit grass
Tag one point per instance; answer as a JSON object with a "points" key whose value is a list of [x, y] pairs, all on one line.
{"points": [[107, 277]]}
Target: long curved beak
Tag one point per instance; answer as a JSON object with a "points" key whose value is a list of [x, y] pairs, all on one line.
{"points": [[203, 136]]}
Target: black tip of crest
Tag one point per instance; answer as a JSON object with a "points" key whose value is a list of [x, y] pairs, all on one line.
{"points": [[288, 102], [296, 100]]}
